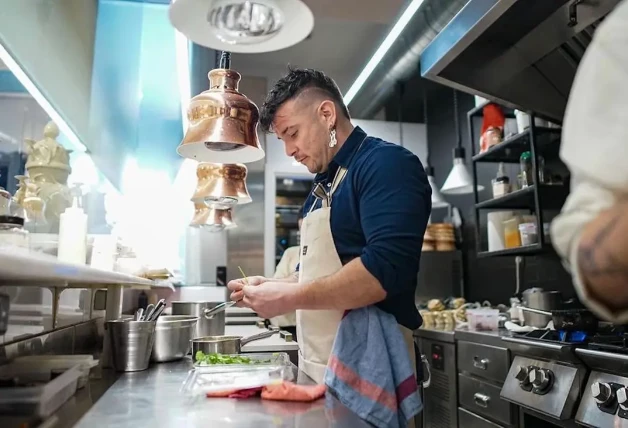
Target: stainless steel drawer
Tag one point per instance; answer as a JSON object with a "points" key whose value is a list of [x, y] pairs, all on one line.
{"points": [[466, 419], [485, 361], [483, 398]]}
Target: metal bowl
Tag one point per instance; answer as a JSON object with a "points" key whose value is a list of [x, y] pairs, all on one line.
{"points": [[173, 335]]}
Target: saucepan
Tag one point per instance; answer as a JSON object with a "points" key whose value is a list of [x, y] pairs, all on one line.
{"points": [[211, 316], [226, 344], [569, 319]]}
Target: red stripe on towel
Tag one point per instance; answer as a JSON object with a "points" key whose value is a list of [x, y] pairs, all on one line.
{"points": [[362, 386], [406, 388]]}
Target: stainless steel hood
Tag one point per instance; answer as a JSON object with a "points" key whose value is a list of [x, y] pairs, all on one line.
{"points": [[520, 53]]}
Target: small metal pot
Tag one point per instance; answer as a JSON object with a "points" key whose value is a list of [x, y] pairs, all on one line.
{"points": [[173, 334], [209, 323], [537, 298], [226, 344]]}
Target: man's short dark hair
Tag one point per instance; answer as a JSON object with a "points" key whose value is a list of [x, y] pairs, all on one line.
{"points": [[291, 85]]}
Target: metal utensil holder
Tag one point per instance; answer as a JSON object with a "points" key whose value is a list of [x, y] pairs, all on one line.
{"points": [[131, 343]]}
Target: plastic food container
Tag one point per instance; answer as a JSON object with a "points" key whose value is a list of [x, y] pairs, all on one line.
{"points": [[528, 233], [257, 361], [483, 319], [200, 381], [512, 237], [36, 392], [60, 363]]}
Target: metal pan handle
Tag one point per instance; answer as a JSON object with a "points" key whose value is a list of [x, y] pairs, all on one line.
{"points": [[258, 336], [209, 313], [426, 366], [536, 311]]}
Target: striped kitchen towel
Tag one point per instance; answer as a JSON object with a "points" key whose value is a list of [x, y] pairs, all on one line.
{"points": [[370, 370]]}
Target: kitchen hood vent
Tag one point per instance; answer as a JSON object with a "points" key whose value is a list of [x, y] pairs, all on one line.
{"points": [[402, 59], [522, 54]]}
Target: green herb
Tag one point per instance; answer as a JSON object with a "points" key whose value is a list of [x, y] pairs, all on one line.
{"points": [[214, 359]]}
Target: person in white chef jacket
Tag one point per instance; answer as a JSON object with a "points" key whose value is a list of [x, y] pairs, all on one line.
{"points": [[287, 266], [591, 233]]}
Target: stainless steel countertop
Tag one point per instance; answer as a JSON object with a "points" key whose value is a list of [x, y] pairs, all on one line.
{"points": [[450, 335], [152, 398]]}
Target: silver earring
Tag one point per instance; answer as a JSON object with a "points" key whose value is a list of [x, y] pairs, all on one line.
{"points": [[332, 138]]}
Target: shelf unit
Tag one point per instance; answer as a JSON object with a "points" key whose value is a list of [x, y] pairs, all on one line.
{"points": [[24, 268], [536, 198]]}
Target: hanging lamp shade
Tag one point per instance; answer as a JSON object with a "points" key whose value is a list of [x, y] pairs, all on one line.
{"points": [[459, 181], [212, 219], [222, 122], [221, 186], [438, 201], [242, 26]]}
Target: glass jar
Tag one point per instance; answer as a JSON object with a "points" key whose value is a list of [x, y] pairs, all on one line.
{"points": [[12, 233], [527, 172]]}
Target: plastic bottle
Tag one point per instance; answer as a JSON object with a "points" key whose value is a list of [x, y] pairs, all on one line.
{"points": [[73, 231]]}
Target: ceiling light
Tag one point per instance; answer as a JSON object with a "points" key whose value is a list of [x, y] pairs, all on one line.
{"points": [[243, 26], [381, 51], [459, 181], [32, 89], [438, 201]]}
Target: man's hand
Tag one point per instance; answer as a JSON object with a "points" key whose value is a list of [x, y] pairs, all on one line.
{"points": [[270, 299], [237, 285]]}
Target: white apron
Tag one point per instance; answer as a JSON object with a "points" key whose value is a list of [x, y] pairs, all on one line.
{"points": [[316, 329]]}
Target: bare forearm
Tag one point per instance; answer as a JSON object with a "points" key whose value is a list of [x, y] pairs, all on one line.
{"points": [[603, 257], [351, 287]]}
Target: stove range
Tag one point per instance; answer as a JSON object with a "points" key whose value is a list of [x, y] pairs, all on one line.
{"points": [[605, 401], [546, 376]]}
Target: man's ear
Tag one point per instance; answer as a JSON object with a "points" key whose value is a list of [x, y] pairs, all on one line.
{"points": [[327, 112]]}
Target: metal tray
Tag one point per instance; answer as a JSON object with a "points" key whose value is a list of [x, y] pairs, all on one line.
{"points": [[199, 382]]}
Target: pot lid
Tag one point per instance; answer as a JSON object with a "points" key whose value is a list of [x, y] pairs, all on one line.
{"points": [[243, 26], [222, 122], [221, 185]]}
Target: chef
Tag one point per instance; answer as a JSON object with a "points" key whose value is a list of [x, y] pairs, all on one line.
{"points": [[591, 233], [363, 222], [286, 267]]}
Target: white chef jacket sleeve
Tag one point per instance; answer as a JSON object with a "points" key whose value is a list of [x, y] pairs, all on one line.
{"points": [[285, 268], [595, 145]]}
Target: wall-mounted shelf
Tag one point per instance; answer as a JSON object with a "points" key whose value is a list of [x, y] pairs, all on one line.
{"points": [[553, 196], [539, 141], [528, 250], [34, 269], [509, 150]]}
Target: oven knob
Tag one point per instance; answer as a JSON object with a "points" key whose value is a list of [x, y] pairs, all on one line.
{"points": [[522, 375], [622, 398], [541, 378], [602, 392]]}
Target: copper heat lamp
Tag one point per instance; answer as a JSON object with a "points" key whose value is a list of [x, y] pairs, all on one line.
{"points": [[221, 186], [212, 219], [222, 121]]}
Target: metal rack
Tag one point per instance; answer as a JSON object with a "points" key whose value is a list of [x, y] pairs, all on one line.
{"points": [[536, 198]]}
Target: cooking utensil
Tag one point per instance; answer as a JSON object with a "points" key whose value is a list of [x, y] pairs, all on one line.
{"points": [[131, 343], [569, 319], [173, 334], [148, 311], [157, 310], [139, 314], [226, 344], [207, 325], [537, 298]]}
